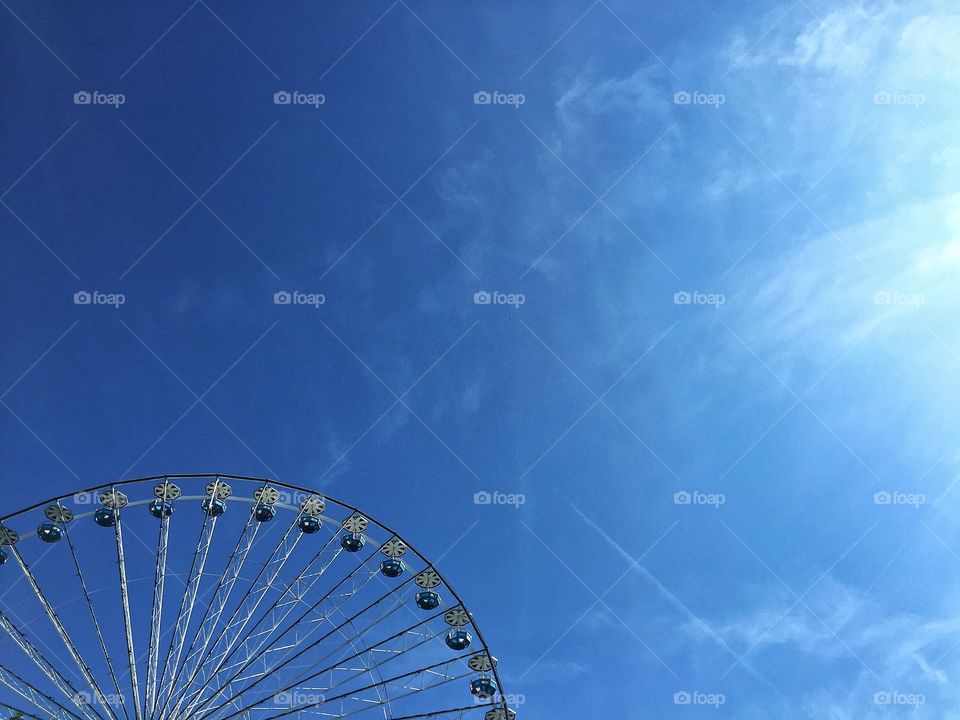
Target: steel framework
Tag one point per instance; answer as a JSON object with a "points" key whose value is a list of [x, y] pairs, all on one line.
{"points": [[229, 596]]}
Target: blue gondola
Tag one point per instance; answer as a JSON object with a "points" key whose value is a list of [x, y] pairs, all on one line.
{"points": [[459, 639], [213, 508], [428, 600], [50, 533], [160, 508], [483, 688], [308, 524], [391, 568], [351, 542], [264, 512], [105, 517]]}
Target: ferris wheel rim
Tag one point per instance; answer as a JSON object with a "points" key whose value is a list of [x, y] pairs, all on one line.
{"points": [[429, 565]]}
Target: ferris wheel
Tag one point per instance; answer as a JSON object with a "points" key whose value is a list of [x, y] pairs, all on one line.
{"points": [[214, 597]]}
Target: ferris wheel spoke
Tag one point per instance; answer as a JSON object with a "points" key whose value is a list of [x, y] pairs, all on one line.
{"points": [[432, 672], [403, 635], [288, 659], [39, 700], [411, 690], [21, 713], [187, 603], [328, 620], [93, 617], [238, 622], [369, 649], [125, 602], [280, 608], [255, 644], [156, 617], [212, 612], [353, 673], [244, 663], [352, 641], [46, 667], [62, 632], [436, 713]]}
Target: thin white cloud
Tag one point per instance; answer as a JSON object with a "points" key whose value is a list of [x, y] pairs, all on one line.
{"points": [[846, 40], [591, 97], [928, 48]]}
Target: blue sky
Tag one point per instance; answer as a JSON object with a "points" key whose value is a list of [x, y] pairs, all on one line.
{"points": [[803, 201]]}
